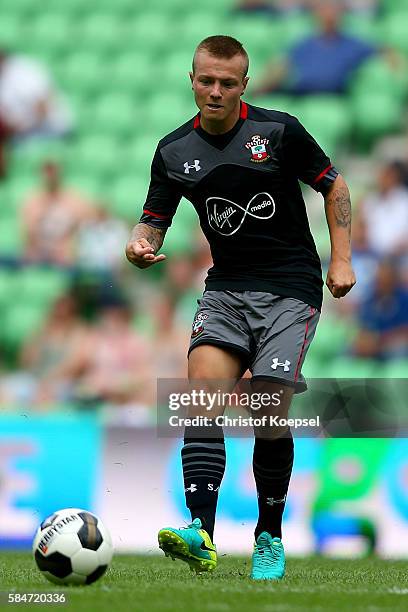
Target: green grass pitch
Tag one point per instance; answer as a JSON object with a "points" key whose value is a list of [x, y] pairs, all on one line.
{"points": [[152, 583]]}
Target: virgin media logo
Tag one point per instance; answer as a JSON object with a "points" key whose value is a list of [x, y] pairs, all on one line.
{"points": [[226, 217]]}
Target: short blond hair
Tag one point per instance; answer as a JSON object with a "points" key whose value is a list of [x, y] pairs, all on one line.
{"points": [[223, 47]]}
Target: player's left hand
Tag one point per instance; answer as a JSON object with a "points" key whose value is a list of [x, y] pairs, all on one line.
{"points": [[340, 278]]}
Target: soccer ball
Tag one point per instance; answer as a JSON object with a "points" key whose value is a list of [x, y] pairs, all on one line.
{"points": [[72, 546]]}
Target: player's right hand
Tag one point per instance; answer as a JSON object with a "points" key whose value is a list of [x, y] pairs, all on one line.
{"points": [[141, 253]]}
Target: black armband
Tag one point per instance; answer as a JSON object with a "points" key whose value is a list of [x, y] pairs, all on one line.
{"points": [[325, 180]]}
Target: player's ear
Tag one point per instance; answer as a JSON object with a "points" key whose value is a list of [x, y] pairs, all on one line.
{"points": [[244, 84], [191, 75]]}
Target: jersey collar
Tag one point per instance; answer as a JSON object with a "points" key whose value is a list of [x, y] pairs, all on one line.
{"points": [[221, 141]]}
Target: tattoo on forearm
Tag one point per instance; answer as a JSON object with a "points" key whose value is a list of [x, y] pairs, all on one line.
{"points": [[339, 199], [154, 235]]}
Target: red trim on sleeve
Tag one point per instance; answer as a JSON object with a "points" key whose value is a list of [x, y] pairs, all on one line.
{"points": [[196, 121], [148, 212], [321, 175], [244, 110]]}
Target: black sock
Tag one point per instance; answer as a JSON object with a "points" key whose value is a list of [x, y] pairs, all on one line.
{"points": [[272, 464], [203, 462]]}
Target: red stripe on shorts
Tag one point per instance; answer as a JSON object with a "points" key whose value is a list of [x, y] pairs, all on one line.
{"points": [[312, 312]]}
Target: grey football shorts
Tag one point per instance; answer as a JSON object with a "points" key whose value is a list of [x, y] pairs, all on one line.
{"points": [[270, 332]]}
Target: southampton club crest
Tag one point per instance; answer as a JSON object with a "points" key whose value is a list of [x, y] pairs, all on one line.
{"points": [[198, 324], [257, 145]]}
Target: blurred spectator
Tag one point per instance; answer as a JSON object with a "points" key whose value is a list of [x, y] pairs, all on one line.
{"points": [[402, 164], [365, 265], [100, 242], [46, 358], [179, 285], [170, 342], [30, 105], [385, 213], [51, 220], [5, 134], [202, 260], [115, 366], [366, 7], [321, 63], [179, 276], [286, 7], [272, 7], [383, 318]]}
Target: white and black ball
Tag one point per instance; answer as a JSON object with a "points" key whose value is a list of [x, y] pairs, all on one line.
{"points": [[72, 546]]}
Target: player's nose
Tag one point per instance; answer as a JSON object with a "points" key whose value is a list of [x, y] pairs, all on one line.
{"points": [[215, 91]]}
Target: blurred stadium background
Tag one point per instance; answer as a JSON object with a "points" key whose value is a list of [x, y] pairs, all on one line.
{"points": [[83, 338]]}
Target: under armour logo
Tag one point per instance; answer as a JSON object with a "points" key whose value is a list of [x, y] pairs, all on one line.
{"points": [[271, 501], [275, 364], [192, 488], [196, 166]]}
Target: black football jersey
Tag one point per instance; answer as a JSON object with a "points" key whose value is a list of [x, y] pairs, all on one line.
{"points": [[244, 185]]}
